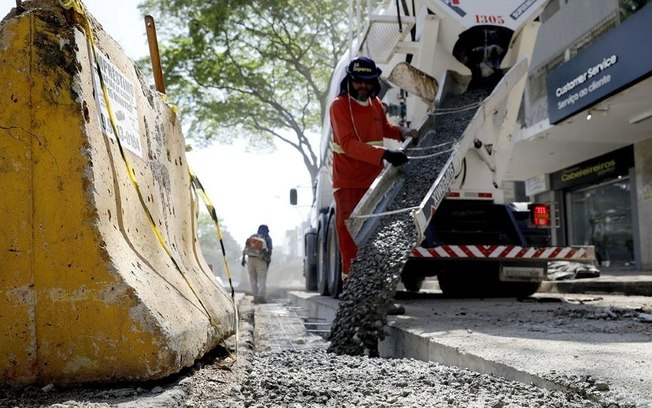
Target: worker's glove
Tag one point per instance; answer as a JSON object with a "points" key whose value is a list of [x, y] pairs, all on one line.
{"points": [[407, 132], [395, 157], [243, 263]]}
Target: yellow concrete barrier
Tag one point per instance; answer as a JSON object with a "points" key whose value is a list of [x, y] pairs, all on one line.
{"points": [[87, 292]]}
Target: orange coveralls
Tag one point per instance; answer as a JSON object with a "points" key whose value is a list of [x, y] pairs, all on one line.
{"points": [[358, 133]]}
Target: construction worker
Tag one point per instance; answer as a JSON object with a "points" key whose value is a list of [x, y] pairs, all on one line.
{"points": [[258, 249], [359, 125]]}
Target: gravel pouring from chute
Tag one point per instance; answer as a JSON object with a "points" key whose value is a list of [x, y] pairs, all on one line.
{"points": [[376, 272]]}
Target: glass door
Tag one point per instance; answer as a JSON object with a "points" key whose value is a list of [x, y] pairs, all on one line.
{"points": [[601, 216]]}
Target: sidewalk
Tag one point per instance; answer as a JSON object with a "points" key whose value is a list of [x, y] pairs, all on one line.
{"points": [[622, 282], [616, 282]]}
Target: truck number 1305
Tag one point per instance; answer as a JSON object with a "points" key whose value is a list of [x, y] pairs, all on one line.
{"points": [[484, 19]]}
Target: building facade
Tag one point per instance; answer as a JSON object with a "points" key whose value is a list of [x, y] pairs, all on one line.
{"points": [[586, 141]]}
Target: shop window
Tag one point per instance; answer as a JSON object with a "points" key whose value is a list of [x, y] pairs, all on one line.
{"points": [[601, 216], [537, 79], [596, 32]]}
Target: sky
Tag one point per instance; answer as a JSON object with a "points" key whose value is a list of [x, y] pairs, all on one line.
{"points": [[247, 189]]}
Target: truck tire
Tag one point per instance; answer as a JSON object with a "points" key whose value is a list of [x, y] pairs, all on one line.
{"points": [[412, 283], [310, 260], [322, 270], [334, 263], [470, 279], [452, 286], [323, 258], [310, 276], [413, 275], [517, 289], [482, 282]]}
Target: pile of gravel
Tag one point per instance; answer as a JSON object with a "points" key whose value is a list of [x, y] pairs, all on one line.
{"points": [[375, 273], [314, 378]]}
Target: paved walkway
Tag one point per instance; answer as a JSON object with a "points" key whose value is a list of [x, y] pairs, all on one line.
{"points": [[624, 282], [280, 326]]}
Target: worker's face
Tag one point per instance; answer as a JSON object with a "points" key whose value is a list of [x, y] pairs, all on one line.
{"points": [[362, 89]]}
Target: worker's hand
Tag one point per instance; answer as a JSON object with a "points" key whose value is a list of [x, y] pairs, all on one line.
{"points": [[407, 132], [243, 263], [395, 157]]}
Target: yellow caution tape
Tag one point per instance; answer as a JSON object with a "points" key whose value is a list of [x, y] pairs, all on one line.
{"points": [[75, 4], [199, 188], [79, 8], [172, 106]]}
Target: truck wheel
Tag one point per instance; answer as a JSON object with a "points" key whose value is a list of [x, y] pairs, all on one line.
{"points": [[334, 263], [310, 260], [322, 261], [310, 276], [450, 285], [412, 283], [413, 275], [517, 289], [475, 280], [482, 283], [322, 271]]}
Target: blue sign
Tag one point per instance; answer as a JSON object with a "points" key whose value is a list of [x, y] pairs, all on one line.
{"points": [[617, 60]]}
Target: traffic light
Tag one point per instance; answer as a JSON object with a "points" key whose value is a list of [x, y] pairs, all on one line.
{"points": [[540, 215]]}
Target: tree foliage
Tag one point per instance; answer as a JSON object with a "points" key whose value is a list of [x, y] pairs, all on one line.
{"points": [[258, 69]]}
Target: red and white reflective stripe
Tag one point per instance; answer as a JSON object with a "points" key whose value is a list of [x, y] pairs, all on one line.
{"points": [[470, 195], [503, 252]]}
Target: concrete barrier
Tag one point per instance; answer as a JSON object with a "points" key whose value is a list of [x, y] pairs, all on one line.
{"points": [[87, 291]]}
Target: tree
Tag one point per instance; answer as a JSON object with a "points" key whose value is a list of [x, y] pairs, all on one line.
{"points": [[258, 69]]}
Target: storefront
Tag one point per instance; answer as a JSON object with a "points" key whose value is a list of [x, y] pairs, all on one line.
{"points": [[597, 204], [601, 201]]}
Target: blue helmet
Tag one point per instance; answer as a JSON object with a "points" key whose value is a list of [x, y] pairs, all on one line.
{"points": [[263, 229], [361, 69]]}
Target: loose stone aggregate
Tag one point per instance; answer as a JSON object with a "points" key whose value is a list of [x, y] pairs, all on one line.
{"points": [[315, 378], [375, 273], [312, 377]]}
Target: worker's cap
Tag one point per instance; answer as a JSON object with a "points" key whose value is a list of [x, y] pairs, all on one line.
{"points": [[263, 229], [364, 69]]}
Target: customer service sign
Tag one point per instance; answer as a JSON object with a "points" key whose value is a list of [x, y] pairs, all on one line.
{"points": [[617, 60]]}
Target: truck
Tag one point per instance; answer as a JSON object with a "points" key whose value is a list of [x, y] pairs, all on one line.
{"points": [[475, 232]]}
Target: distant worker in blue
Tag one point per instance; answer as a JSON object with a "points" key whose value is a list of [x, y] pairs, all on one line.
{"points": [[258, 250]]}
